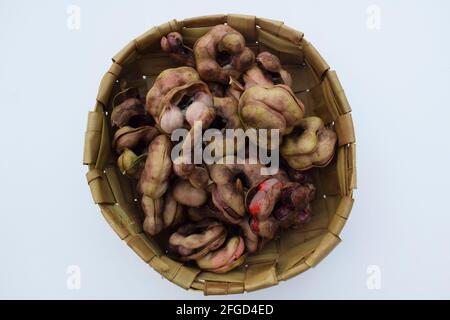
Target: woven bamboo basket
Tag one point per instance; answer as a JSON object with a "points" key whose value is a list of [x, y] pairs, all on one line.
{"points": [[318, 87]]}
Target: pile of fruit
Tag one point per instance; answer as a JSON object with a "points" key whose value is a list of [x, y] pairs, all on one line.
{"points": [[217, 213]]}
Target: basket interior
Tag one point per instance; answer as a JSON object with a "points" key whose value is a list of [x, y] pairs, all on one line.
{"points": [[314, 84]]}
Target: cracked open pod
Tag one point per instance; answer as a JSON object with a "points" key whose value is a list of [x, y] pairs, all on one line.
{"points": [[137, 65]]}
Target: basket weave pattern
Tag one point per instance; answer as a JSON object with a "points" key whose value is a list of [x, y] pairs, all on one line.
{"points": [[138, 64]]}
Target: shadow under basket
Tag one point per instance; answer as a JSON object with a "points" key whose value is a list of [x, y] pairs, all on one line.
{"points": [[137, 65]]}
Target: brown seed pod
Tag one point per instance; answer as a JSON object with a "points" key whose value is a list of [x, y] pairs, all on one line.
{"points": [[196, 101], [274, 107], [161, 213], [309, 145], [158, 166], [153, 222], [129, 109], [208, 210], [136, 139], [126, 111], [252, 241], [228, 194], [224, 259], [131, 143], [267, 71], [294, 208], [166, 81], [186, 194], [227, 110], [194, 240], [130, 163], [221, 53], [173, 45]]}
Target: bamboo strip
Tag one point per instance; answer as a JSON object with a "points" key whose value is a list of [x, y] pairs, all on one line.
{"points": [[158, 264], [92, 137], [272, 26], [235, 276], [244, 24], [345, 206], [197, 286], [115, 69], [342, 170], [190, 35], [168, 27], [106, 86], [267, 254], [344, 129], [329, 178], [185, 276], [336, 225], [342, 102], [204, 21], [319, 65], [295, 270], [121, 56], [141, 245], [326, 245], [260, 276], [101, 192], [352, 166], [330, 98], [104, 150], [112, 175], [290, 34], [148, 40], [216, 288], [114, 221], [120, 217], [295, 254], [275, 43], [169, 267]]}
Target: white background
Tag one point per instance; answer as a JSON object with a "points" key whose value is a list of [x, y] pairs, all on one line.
{"points": [[396, 79]]}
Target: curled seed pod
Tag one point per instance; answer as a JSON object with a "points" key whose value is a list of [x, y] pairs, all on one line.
{"points": [[136, 139], [252, 241], [128, 109], [255, 76], [174, 46], [267, 228], [153, 222], [221, 53], [228, 194], [274, 107], [229, 199], [158, 166], [208, 210], [131, 164], [166, 81], [199, 177], [194, 240], [161, 213], [224, 259], [264, 198], [195, 99], [186, 194], [309, 145], [294, 207], [227, 109], [272, 69], [173, 211]]}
